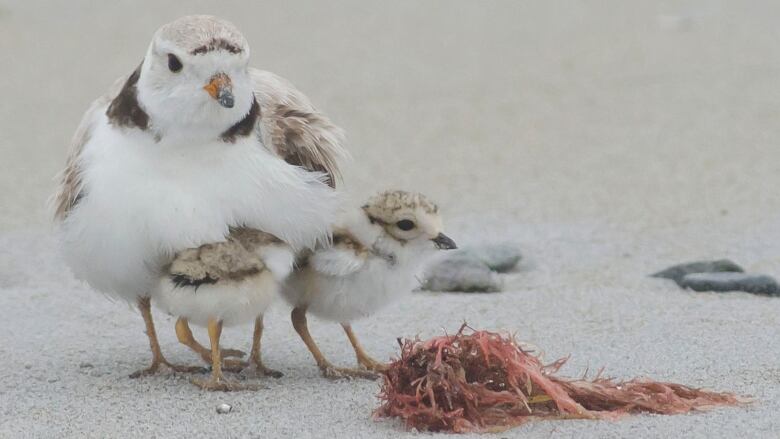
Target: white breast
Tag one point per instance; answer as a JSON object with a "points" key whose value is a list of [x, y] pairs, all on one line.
{"points": [[361, 294], [232, 303], [144, 200]]}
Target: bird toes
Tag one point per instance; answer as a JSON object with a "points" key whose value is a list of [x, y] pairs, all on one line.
{"points": [[222, 384], [337, 373], [235, 353], [374, 366], [164, 367], [254, 370]]}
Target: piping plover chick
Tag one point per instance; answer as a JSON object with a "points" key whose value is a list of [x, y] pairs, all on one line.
{"points": [[225, 284], [190, 144], [376, 255]]}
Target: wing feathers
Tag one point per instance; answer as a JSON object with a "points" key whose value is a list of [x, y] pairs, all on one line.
{"points": [[69, 191], [346, 256], [211, 263], [292, 128], [336, 262]]}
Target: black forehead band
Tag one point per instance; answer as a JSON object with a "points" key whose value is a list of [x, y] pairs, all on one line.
{"points": [[217, 44]]}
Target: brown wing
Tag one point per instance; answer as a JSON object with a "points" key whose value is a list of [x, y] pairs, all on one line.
{"points": [[292, 128], [69, 190], [344, 240], [232, 259]]}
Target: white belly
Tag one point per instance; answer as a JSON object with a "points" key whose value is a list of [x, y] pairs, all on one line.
{"points": [[234, 303], [345, 299], [143, 201]]}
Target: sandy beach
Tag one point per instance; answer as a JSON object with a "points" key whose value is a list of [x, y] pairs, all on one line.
{"points": [[608, 140]]}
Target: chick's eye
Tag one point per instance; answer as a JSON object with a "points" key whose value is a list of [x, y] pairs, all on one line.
{"points": [[173, 63], [405, 224]]}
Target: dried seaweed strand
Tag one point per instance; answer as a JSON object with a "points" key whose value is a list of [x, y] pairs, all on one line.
{"points": [[481, 381]]}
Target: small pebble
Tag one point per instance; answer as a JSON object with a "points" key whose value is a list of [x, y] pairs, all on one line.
{"points": [[677, 272], [224, 408], [461, 273], [86, 365], [723, 282]]}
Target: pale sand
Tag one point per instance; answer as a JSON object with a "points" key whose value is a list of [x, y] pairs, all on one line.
{"points": [[608, 140]]}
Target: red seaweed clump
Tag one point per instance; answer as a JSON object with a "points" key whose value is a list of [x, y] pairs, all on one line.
{"points": [[482, 381]]}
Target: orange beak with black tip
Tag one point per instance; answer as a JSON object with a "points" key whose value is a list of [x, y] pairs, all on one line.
{"points": [[221, 88]]}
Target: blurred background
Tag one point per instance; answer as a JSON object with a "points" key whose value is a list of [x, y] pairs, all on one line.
{"points": [[641, 114], [606, 139]]}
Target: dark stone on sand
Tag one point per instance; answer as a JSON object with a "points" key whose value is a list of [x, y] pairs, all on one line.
{"points": [[678, 272], [499, 257], [732, 281], [461, 272]]}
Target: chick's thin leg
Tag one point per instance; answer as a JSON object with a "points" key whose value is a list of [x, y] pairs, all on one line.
{"points": [[328, 370], [184, 334], [217, 381], [255, 365], [363, 358], [159, 363]]}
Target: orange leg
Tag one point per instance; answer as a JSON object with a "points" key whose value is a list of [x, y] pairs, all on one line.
{"points": [[255, 365], [363, 358], [217, 381], [184, 334], [159, 363], [328, 370]]}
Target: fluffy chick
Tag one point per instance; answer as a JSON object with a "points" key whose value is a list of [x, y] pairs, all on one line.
{"points": [[225, 284], [374, 260]]}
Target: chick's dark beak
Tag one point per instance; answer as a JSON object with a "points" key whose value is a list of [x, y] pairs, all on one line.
{"points": [[444, 242], [221, 88]]}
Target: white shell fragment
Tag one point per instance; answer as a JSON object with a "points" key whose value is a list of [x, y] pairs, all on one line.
{"points": [[224, 408]]}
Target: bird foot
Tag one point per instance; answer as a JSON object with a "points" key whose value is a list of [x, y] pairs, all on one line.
{"points": [[222, 384], [233, 365], [234, 353], [336, 373], [374, 366], [250, 369], [164, 367], [255, 370]]}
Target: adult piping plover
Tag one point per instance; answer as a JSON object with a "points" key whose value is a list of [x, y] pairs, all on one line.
{"points": [[376, 254], [190, 144]]}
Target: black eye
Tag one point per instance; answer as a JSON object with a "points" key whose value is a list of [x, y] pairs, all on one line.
{"points": [[173, 63], [405, 224]]}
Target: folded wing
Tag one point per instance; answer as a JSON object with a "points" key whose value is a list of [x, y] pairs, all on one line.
{"points": [[292, 128]]}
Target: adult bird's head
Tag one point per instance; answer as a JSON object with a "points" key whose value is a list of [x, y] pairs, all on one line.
{"points": [[195, 77]]}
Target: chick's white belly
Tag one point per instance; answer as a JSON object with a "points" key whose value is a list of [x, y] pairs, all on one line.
{"points": [[234, 303], [348, 298]]}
